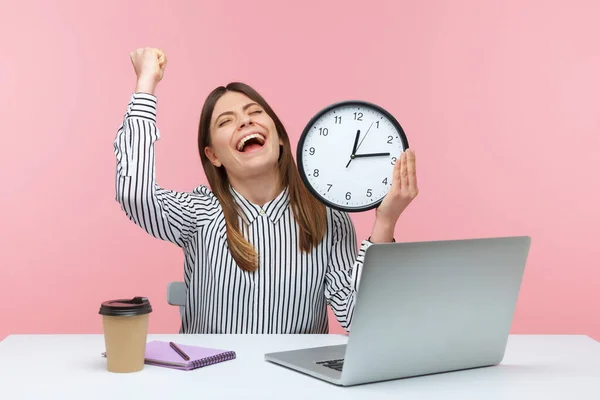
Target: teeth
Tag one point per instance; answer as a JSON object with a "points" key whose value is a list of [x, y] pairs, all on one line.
{"points": [[243, 141]]}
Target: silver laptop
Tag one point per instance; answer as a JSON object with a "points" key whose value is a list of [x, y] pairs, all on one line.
{"points": [[424, 308]]}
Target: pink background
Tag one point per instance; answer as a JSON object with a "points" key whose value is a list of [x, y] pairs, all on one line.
{"points": [[498, 98]]}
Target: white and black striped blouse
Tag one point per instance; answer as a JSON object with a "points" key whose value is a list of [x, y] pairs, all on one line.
{"points": [[289, 291]]}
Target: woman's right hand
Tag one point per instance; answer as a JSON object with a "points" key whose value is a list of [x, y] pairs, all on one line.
{"points": [[149, 65]]}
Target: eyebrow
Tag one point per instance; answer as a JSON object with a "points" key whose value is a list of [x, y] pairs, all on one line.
{"points": [[247, 106]]}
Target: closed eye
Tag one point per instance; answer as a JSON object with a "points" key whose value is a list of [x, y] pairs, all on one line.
{"points": [[227, 120]]}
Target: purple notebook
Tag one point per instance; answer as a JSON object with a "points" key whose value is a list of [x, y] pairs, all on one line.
{"points": [[161, 354]]}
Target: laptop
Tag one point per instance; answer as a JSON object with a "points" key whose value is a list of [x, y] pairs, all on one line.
{"points": [[423, 308]]}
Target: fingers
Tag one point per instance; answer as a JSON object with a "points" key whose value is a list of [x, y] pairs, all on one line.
{"points": [[162, 59], [403, 171], [135, 54], [141, 50], [396, 172], [411, 166]]}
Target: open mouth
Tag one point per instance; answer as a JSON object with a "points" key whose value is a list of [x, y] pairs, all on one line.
{"points": [[250, 143]]}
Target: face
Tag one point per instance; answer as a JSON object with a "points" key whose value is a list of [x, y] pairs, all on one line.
{"points": [[243, 136]]}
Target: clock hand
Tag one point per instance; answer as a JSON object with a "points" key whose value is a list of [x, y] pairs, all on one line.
{"points": [[355, 142], [371, 155], [364, 136], [354, 148]]}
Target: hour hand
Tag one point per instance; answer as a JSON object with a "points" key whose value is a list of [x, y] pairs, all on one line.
{"points": [[355, 142], [371, 155], [354, 148]]}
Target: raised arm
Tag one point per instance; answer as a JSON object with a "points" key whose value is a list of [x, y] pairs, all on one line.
{"points": [[343, 272], [165, 214], [344, 269]]}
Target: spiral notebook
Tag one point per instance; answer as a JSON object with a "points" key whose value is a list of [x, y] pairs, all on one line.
{"points": [[161, 354]]}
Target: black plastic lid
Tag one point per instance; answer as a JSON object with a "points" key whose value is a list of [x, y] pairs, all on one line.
{"points": [[124, 307]]}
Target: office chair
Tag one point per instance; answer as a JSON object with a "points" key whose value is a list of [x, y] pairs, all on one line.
{"points": [[176, 295]]}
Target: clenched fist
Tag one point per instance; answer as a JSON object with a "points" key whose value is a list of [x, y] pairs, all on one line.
{"points": [[149, 65]]}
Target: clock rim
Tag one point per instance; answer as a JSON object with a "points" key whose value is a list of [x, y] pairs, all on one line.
{"points": [[306, 130]]}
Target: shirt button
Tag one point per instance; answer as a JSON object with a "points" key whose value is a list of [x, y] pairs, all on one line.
{"points": [[262, 212]]}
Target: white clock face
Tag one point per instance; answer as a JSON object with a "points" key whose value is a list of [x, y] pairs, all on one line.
{"points": [[343, 179]]}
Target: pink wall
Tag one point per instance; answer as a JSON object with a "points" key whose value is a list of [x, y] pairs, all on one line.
{"points": [[499, 99]]}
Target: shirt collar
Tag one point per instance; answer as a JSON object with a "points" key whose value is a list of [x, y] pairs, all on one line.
{"points": [[273, 209]]}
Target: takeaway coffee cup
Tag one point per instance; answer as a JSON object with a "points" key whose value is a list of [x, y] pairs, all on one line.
{"points": [[125, 324]]}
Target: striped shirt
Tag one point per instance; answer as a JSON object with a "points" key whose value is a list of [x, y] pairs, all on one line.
{"points": [[290, 290]]}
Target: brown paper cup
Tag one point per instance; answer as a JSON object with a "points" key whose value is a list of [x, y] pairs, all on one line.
{"points": [[125, 325]]}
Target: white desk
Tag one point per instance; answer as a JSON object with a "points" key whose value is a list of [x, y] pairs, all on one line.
{"points": [[70, 367]]}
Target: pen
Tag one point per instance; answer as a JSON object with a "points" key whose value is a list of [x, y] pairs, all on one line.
{"points": [[179, 351]]}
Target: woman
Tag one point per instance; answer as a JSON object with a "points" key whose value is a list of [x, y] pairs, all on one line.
{"points": [[261, 254]]}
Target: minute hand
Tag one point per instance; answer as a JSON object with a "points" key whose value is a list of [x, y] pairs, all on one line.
{"points": [[371, 155]]}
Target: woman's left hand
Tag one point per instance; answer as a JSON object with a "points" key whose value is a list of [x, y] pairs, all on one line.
{"points": [[403, 190]]}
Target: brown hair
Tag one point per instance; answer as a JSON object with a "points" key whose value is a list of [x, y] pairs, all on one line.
{"points": [[310, 214]]}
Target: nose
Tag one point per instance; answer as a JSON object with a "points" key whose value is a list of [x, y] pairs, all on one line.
{"points": [[245, 121]]}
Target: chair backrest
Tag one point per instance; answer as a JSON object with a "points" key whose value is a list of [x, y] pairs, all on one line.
{"points": [[176, 295]]}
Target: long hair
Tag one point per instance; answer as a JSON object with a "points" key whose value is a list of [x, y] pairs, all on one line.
{"points": [[309, 213]]}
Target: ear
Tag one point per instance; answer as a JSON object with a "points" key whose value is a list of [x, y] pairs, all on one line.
{"points": [[212, 156]]}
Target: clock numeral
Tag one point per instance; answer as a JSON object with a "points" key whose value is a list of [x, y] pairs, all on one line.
{"points": [[393, 160], [384, 181], [390, 138], [338, 119], [348, 195], [330, 185], [358, 116], [377, 122], [316, 173], [311, 151], [324, 131], [369, 193]]}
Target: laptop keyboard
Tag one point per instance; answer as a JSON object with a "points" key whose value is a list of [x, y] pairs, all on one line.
{"points": [[333, 364]]}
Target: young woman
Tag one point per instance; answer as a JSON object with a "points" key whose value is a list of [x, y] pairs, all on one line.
{"points": [[262, 255]]}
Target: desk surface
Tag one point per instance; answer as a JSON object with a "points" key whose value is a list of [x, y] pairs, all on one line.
{"points": [[70, 366]]}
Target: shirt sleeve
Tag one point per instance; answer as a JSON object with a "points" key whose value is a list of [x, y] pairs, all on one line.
{"points": [[165, 214], [343, 272]]}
